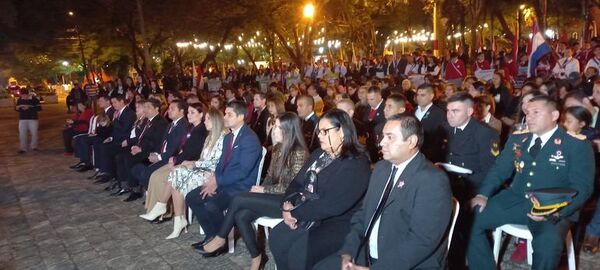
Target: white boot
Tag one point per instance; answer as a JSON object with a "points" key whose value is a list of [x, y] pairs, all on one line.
{"points": [[179, 224], [158, 209]]}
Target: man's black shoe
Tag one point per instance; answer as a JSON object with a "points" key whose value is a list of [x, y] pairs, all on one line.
{"points": [[133, 196], [120, 192], [84, 168], [78, 165], [104, 179]]}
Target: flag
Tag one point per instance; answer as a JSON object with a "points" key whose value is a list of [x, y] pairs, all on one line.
{"points": [[537, 49]]}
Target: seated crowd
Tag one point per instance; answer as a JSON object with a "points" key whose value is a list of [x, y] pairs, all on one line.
{"points": [[360, 173]]}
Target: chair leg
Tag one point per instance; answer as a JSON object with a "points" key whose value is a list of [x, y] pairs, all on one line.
{"points": [[529, 252], [190, 217], [570, 251], [266, 232], [231, 241], [497, 236]]}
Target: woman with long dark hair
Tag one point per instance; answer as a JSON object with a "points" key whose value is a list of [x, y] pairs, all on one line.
{"points": [[321, 200], [289, 154]]}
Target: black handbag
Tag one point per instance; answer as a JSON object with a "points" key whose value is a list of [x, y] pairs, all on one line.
{"points": [[309, 193]]}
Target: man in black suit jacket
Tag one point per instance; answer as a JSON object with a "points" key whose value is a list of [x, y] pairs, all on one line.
{"points": [[147, 139], [310, 120], [170, 146], [406, 212], [432, 117], [260, 116], [372, 117], [122, 122]]}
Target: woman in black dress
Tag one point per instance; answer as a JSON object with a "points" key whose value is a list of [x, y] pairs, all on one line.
{"points": [[337, 175]]}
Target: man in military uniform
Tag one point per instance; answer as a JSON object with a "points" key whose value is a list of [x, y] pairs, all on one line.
{"points": [[470, 144], [547, 157]]}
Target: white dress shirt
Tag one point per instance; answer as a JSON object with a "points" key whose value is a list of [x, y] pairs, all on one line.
{"points": [[420, 112], [545, 137], [375, 232], [565, 66]]}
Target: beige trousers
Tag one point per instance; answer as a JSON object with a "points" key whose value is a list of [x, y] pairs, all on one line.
{"points": [[156, 189]]}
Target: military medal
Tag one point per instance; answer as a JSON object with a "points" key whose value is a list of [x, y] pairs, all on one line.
{"points": [[519, 166]]}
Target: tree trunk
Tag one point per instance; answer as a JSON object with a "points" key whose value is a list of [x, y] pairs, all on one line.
{"points": [[145, 52], [210, 56], [505, 27]]}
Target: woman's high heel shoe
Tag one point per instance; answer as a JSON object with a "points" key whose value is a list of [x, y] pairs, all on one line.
{"points": [[158, 209], [179, 224]]}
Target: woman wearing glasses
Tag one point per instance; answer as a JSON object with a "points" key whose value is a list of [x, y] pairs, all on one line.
{"points": [[289, 154], [319, 203]]}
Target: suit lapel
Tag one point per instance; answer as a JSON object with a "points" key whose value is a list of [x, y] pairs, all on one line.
{"points": [[405, 180]]}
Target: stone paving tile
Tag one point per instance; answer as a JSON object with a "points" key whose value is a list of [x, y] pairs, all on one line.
{"points": [[54, 218]]}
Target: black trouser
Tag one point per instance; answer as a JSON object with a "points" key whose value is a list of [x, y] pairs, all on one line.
{"points": [[208, 211], [68, 134], [244, 209], [140, 173]]}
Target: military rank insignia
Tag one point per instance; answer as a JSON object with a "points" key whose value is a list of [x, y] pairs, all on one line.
{"points": [[495, 149]]}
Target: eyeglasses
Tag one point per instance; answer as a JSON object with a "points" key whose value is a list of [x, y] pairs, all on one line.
{"points": [[323, 132]]}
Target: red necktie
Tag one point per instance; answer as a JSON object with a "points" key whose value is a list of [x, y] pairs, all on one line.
{"points": [[372, 114], [116, 115], [228, 150]]}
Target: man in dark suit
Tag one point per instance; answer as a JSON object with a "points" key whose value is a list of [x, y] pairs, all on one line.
{"points": [[158, 154], [310, 120], [372, 117], [236, 172], [122, 122], [432, 117], [394, 104], [92, 139], [545, 157], [406, 212], [260, 116]]}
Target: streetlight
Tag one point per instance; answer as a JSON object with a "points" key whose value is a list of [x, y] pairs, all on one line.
{"points": [[309, 10], [65, 63], [71, 13]]}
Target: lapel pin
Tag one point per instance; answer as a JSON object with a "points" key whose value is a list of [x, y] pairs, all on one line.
{"points": [[557, 141], [400, 184]]}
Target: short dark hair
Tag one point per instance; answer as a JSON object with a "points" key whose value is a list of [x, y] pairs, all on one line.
{"points": [[548, 101], [181, 105], [409, 125], [580, 113], [198, 106], [238, 107], [308, 98], [398, 99], [154, 102], [374, 90], [351, 147], [578, 95], [463, 97], [261, 95], [427, 87], [105, 97], [119, 98]]}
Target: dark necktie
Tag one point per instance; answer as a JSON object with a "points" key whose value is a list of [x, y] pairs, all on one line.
{"points": [[378, 212], [228, 149], [372, 114], [535, 149]]}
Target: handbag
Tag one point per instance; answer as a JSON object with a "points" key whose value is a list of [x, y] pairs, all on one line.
{"points": [[309, 193]]}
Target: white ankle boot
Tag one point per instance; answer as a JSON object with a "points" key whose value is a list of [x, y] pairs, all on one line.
{"points": [[180, 223], [158, 209]]}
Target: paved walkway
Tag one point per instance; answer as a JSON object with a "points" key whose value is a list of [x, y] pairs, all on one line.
{"points": [[54, 218]]}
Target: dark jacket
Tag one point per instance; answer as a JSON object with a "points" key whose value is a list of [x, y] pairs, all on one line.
{"points": [[240, 171], [309, 131], [122, 125], [412, 227], [432, 123], [192, 145], [259, 124], [474, 148], [173, 135], [150, 138], [32, 112]]}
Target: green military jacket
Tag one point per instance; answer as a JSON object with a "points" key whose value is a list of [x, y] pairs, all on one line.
{"points": [[563, 162]]}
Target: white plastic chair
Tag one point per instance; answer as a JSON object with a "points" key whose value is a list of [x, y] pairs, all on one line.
{"points": [[455, 211], [521, 231]]}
